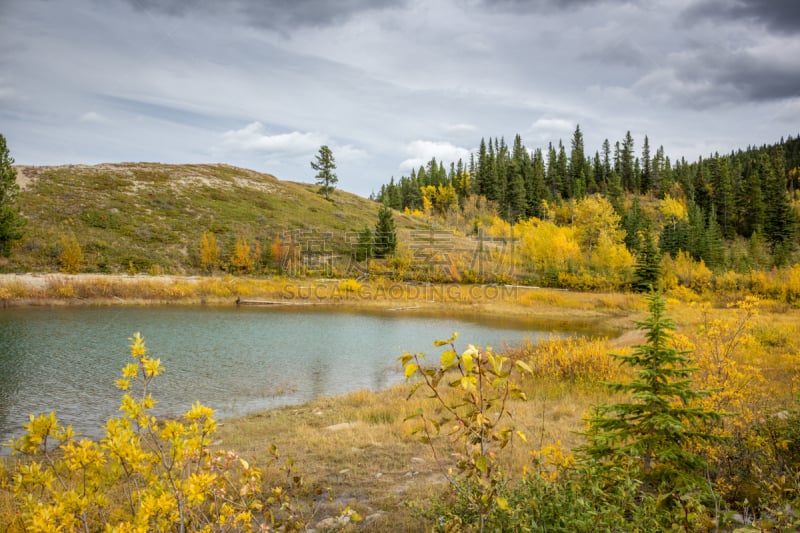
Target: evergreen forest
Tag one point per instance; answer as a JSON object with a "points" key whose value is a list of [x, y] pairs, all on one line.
{"points": [[735, 211]]}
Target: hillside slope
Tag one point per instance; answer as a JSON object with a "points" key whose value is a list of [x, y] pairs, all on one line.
{"points": [[150, 217]]}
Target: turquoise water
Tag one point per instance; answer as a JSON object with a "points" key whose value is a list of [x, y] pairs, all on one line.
{"points": [[234, 360]]}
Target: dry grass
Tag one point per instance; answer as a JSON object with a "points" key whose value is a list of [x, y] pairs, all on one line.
{"points": [[358, 450]]}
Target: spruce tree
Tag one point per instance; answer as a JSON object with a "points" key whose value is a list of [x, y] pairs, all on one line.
{"points": [[562, 171], [325, 164], [552, 176], [715, 243], [722, 187], [750, 201], [657, 427], [11, 223], [535, 187], [780, 219], [577, 165], [633, 220], [364, 248], [646, 181], [648, 262], [385, 233], [626, 165]]}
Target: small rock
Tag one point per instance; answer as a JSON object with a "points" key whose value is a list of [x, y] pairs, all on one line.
{"points": [[343, 425], [417, 460]]}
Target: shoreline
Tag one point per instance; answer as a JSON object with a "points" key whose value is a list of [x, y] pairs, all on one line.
{"points": [[59, 289]]}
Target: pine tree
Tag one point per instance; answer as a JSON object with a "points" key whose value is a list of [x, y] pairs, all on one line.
{"points": [[562, 171], [535, 187], [674, 237], [364, 248], [325, 164], [780, 219], [385, 233], [698, 240], [722, 187], [11, 224], [519, 172], [647, 167], [648, 262], [553, 178], [633, 220], [577, 165], [715, 242], [626, 164], [750, 202], [658, 427]]}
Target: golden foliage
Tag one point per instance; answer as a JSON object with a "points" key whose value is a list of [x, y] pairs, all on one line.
{"points": [[242, 258], [71, 256], [146, 474], [439, 198], [576, 360], [209, 252], [547, 245], [672, 209], [596, 224]]}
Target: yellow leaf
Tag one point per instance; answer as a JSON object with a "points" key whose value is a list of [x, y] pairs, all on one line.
{"points": [[501, 502], [522, 436], [523, 367], [481, 463], [468, 362], [468, 383], [411, 369], [448, 359]]}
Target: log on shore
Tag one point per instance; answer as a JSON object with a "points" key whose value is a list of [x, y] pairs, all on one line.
{"points": [[239, 301]]}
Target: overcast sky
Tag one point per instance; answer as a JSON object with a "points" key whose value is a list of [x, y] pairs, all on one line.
{"points": [[387, 84]]}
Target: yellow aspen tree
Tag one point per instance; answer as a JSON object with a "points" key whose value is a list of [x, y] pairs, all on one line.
{"points": [[277, 251], [209, 252], [257, 254], [242, 259], [71, 257]]}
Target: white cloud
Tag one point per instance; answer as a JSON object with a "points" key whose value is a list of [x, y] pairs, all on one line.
{"points": [[553, 125], [458, 128], [252, 138], [93, 117], [422, 151], [347, 152]]}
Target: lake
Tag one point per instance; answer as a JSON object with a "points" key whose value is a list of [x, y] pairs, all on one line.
{"points": [[235, 360]]}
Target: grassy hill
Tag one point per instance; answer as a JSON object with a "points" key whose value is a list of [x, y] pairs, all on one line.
{"points": [[150, 217]]}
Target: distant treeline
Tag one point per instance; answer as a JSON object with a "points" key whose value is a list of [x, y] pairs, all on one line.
{"points": [[746, 193]]}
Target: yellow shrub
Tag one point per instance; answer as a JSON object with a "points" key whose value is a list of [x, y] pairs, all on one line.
{"points": [[579, 360], [71, 257], [66, 291], [683, 294], [349, 287], [242, 259], [689, 273], [145, 475]]}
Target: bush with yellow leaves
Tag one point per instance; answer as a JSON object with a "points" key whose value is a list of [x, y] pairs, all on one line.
{"points": [[146, 474]]}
